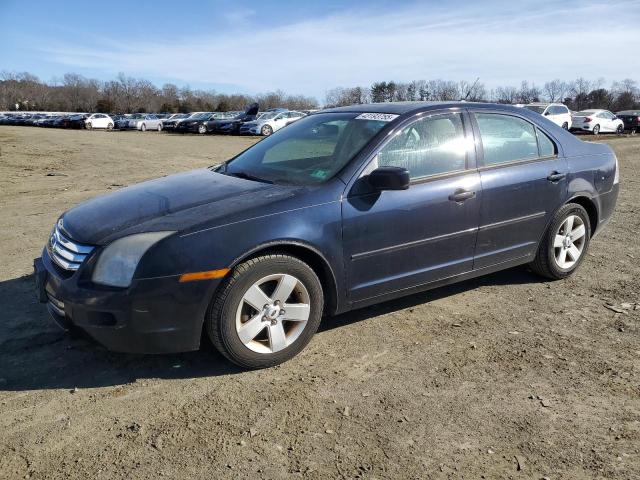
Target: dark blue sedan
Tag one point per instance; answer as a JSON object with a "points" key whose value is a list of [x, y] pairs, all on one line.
{"points": [[345, 208]]}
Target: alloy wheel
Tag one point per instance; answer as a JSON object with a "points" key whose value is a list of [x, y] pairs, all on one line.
{"points": [[596, 130], [569, 241], [273, 313]]}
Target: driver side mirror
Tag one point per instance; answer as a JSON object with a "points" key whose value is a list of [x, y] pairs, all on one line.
{"points": [[389, 178]]}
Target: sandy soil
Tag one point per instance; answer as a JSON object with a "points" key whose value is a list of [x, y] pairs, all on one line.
{"points": [[501, 377]]}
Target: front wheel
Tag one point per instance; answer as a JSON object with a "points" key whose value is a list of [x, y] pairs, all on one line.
{"points": [[620, 130], [88, 126], [266, 130], [596, 130], [565, 125], [109, 126], [564, 244], [143, 128], [266, 311], [202, 129], [159, 127]]}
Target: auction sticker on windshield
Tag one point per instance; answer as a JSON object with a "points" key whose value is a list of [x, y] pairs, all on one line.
{"points": [[383, 117]]}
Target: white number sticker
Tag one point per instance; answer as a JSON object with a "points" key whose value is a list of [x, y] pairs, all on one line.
{"points": [[383, 117]]}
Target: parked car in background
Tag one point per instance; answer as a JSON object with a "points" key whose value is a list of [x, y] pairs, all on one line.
{"points": [[145, 121], [76, 121], [99, 120], [630, 119], [345, 208], [270, 122], [196, 123], [170, 124], [596, 121], [556, 112], [232, 125]]}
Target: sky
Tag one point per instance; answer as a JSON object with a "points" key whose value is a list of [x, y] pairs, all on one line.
{"points": [[309, 47]]}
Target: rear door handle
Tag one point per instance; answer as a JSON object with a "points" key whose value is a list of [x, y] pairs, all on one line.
{"points": [[556, 176], [461, 195]]}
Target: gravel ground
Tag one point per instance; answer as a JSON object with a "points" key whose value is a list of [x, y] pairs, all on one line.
{"points": [[505, 376]]}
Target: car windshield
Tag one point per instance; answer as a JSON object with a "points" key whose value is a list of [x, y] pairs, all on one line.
{"points": [[309, 151], [268, 116], [535, 108], [199, 116]]}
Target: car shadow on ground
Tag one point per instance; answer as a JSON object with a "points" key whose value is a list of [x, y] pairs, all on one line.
{"points": [[35, 354]]}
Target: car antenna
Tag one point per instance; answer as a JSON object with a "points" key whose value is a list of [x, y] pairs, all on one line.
{"points": [[469, 90]]}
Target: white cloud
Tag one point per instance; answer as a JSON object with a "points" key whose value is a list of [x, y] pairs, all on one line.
{"points": [[500, 43]]}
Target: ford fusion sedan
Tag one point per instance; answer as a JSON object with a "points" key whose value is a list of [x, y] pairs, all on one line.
{"points": [[270, 122], [596, 121], [344, 208]]}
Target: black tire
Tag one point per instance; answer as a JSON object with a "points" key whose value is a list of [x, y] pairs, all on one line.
{"points": [[620, 130], [565, 125], [109, 126], [545, 263], [160, 127], [596, 129], [220, 318], [88, 126], [266, 130]]}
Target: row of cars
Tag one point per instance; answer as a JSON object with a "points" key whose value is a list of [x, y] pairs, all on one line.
{"points": [[595, 121], [248, 122]]}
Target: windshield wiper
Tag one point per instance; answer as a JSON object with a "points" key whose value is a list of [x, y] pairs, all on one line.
{"points": [[247, 176]]}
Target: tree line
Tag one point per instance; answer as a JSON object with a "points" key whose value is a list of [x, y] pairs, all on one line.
{"points": [[124, 94], [579, 94], [76, 93]]}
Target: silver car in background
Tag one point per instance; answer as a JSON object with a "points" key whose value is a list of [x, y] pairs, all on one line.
{"points": [[145, 121], [270, 122]]}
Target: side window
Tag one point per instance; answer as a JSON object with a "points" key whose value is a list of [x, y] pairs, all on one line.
{"points": [[430, 146], [506, 138], [546, 145]]}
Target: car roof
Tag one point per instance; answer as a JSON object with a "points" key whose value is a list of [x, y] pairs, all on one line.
{"points": [[402, 108]]}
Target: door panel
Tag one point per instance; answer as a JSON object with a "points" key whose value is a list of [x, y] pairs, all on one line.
{"points": [[395, 240], [398, 239], [523, 184]]}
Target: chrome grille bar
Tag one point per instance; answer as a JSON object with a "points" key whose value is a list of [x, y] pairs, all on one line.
{"points": [[67, 253]]}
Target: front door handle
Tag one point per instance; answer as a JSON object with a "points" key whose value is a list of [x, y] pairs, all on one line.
{"points": [[556, 176], [461, 195]]}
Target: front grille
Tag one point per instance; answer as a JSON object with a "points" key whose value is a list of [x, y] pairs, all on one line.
{"points": [[65, 252]]}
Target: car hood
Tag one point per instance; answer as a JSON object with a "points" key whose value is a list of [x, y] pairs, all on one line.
{"points": [[177, 202]]}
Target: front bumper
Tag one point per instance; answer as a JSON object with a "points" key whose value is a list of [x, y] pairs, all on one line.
{"points": [[156, 315]]}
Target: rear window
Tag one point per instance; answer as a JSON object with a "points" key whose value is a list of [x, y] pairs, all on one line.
{"points": [[506, 138]]}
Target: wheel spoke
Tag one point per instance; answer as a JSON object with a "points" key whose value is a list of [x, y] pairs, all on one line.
{"points": [[250, 330], [568, 224], [558, 242], [285, 286], [577, 233], [562, 258], [296, 312], [573, 252], [256, 298], [277, 337]]}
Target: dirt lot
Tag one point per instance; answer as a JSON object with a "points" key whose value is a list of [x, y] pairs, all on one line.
{"points": [[501, 377]]}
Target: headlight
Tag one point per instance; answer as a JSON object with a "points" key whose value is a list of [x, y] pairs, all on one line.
{"points": [[117, 263]]}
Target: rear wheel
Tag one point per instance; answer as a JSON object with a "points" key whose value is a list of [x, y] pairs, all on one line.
{"points": [[565, 243], [109, 126], [266, 130], [143, 128], [266, 311], [565, 125], [202, 129], [88, 125], [596, 129], [159, 127]]}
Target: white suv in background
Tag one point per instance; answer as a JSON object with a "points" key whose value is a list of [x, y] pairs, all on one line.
{"points": [[556, 112]]}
